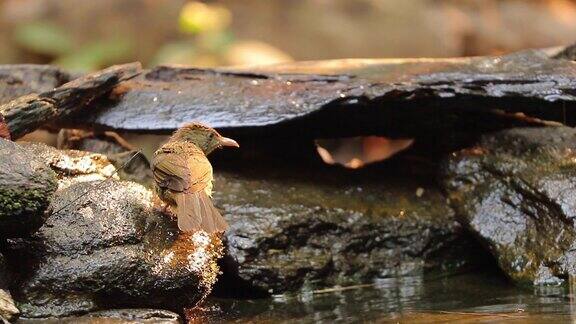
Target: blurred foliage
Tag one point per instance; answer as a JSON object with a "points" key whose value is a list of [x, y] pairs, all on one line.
{"points": [[43, 38], [48, 39], [88, 35], [93, 56], [198, 17], [201, 35], [210, 42]]}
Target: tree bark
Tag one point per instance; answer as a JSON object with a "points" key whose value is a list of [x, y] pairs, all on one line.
{"points": [[26, 113], [17, 80]]}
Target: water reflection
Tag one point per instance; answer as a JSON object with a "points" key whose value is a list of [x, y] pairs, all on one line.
{"points": [[474, 297]]}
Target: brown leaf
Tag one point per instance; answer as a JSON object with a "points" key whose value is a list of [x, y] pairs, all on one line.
{"points": [[355, 152]]}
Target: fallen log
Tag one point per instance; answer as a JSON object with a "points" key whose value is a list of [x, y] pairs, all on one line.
{"points": [[26, 113]]}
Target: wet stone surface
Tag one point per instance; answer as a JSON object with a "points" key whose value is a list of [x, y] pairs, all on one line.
{"points": [[115, 316], [393, 97], [110, 248], [26, 186], [295, 227], [516, 192], [295, 230]]}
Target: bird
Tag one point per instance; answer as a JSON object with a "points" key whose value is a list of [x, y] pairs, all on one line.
{"points": [[183, 177]]}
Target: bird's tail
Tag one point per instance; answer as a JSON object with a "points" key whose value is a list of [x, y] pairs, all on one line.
{"points": [[196, 212]]}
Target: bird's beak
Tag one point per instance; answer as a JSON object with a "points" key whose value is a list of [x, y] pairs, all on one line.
{"points": [[225, 141]]}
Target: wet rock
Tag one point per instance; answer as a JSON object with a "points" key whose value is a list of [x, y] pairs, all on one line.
{"points": [[102, 244], [401, 98], [288, 231], [321, 228], [26, 185], [5, 276], [111, 249], [151, 316], [516, 192]]}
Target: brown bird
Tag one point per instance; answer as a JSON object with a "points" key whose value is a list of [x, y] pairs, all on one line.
{"points": [[183, 177]]}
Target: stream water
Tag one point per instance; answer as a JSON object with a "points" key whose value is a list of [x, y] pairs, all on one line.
{"points": [[480, 297]]}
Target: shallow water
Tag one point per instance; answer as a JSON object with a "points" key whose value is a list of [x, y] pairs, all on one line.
{"points": [[469, 298]]}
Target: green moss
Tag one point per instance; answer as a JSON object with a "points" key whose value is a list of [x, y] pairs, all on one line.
{"points": [[16, 202]]}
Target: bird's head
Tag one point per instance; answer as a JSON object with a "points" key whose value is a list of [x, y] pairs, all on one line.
{"points": [[206, 138]]}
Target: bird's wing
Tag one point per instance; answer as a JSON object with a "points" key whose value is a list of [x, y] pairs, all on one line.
{"points": [[182, 171], [171, 171], [200, 172]]}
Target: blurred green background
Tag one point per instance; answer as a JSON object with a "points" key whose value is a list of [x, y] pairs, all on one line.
{"points": [[88, 35]]}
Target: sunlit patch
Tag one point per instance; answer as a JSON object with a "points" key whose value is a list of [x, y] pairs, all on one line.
{"points": [[195, 253], [168, 257], [145, 195], [84, 168], [251, 52], [85, 164], [75, 164], [356, 152], [200, 256], [66, 182], [9, 309], [86, 212]]}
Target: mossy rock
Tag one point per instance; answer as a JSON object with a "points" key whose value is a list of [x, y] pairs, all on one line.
{"points": [[112, 249], [26, 186]]}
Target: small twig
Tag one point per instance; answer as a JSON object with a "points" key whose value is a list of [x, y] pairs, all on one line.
{"points": [[100, 184], [336, 289], [120, 141], [483, 314], [520, 116]]}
